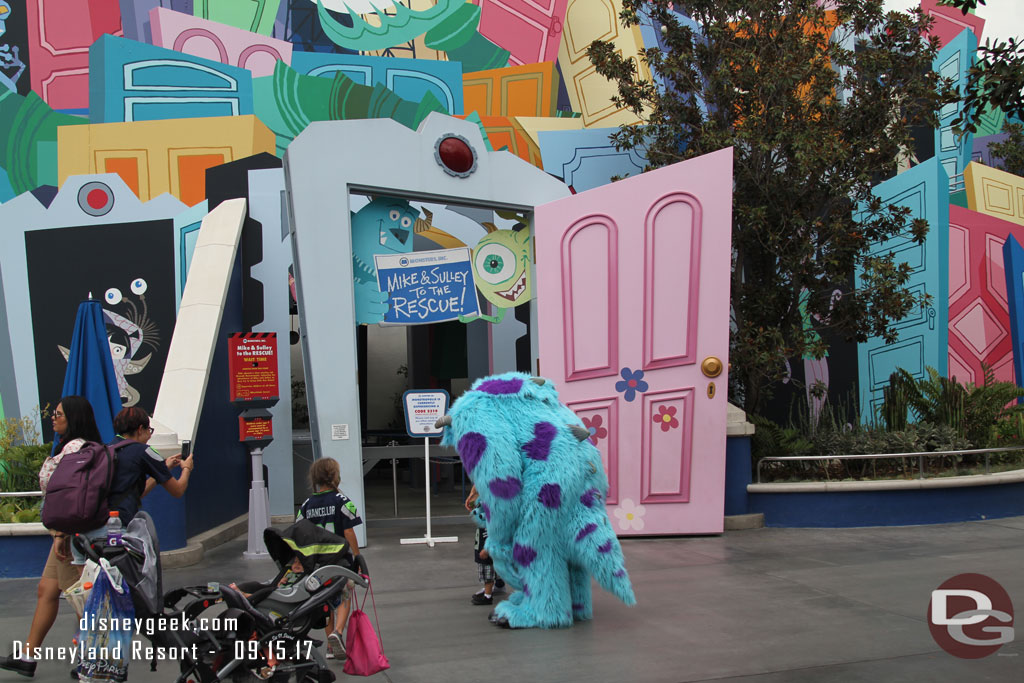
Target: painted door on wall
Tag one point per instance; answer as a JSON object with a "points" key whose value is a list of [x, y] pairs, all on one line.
{"points": [[1013, 259], [527, 90], [60, 33], [953, 61], [950, 21], [995, 193], [529, 29], [923, 338], [634, 283], [979, 317]]}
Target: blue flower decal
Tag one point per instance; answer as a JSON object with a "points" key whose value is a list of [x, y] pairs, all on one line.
{"points": [[632, 382]]}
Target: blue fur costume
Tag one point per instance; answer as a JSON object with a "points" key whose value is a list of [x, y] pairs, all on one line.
{"points": [[542, 488]]}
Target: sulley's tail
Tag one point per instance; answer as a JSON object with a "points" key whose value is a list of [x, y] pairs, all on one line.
{"points": [[598, 551]]}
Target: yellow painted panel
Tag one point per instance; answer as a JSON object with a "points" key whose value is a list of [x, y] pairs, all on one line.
{"points": [[525, 90], [589, 93], [158, 145], [994, 192], [417, 48], [532, 125]]}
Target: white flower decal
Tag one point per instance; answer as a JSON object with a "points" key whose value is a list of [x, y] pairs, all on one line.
{"points": [[630, 515]]}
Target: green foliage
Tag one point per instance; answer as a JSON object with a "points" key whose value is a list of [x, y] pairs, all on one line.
{"points": [[19, 510], [763, 80], [19, 467], [1011, 150]]}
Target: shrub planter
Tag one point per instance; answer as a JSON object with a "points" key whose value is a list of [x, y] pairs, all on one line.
{"points": [[889, 503]]}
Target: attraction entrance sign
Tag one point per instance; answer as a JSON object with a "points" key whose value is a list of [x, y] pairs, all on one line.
{"points": [[446, 162]]}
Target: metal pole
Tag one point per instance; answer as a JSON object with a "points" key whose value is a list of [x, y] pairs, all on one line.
{"points": [[259, 508], [920, 467], [426, 460], [394, 482]]}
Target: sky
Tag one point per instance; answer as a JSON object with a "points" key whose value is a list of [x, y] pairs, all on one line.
{"points": [[1003, 18]]}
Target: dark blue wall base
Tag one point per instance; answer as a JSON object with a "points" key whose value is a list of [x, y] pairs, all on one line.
{"points": [[889, 508], [23, 557], [737, 474]]}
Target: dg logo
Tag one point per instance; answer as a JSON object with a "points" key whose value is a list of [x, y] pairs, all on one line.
{"points": [[970, 616]]}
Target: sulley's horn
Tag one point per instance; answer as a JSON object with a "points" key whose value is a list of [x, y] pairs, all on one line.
{"points": [[539, 381], [443, 421], [581, 433]]}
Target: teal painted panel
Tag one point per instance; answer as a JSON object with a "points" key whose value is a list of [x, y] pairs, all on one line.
{"points": [[186, 234], [923, 336], [130, 81], [410, 79], [953, 61]]}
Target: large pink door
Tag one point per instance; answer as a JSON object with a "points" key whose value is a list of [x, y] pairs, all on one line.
{"points": [[979, 313], [633, 320]]}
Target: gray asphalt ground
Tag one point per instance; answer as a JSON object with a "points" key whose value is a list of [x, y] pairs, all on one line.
{"points": [[761, 605]]}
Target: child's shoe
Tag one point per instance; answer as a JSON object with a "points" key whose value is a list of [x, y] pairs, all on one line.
{"points": [[482, 599], [335, 648]]}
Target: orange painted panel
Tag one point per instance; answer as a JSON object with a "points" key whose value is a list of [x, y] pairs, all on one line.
{"points": [[526, 90], [127, 168], [192, 175], [506, 133]]}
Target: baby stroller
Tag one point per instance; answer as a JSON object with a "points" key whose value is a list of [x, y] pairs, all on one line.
{"points": [[263, 636]]}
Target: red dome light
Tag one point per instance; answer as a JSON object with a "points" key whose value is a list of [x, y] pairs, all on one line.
{"points": [[455, 154]]}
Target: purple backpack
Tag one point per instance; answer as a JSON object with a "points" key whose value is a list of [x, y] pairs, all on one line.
{"points": [[76, 495]]}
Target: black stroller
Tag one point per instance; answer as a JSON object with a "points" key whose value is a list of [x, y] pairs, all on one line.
{"points": [[262, 636]]}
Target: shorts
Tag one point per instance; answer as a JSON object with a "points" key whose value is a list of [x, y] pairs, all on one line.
{"points": [[62, 571], [486, 573], [78, 558], [343, 596]]}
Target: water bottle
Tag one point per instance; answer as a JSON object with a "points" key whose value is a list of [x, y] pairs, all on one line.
{"points": [[114, 528]]}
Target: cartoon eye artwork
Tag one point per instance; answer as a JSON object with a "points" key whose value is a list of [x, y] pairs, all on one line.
{"points": [[113, 296], [495, 263], [139, 286], [117, 351], [393, 215], [406, 222]]}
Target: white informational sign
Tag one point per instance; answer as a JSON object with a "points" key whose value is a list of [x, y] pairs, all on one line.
{"points": [[424, 407]]}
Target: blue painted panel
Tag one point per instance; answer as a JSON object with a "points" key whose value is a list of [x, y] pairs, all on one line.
{"points": [[130, 81], [923, 336], [586, 159], [410, 79], [981, 152], [1013, 267], [953, 61], [839, 509], [23, 557], [186, 234]]}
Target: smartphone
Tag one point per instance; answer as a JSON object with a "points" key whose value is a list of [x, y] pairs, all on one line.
{"points": [[186, 448]]}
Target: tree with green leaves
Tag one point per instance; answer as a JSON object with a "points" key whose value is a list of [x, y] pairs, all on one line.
{"points": [[1010, 151], [818, 107], [996, 80]]}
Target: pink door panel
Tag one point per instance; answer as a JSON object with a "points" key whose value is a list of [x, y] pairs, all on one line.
{"points": [[633, 295], [530, 29], [979, 314]]}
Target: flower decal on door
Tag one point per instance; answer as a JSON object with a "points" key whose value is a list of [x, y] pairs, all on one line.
{"points": [[630, 515], [597, 432], [666, 417], [632, 382]]}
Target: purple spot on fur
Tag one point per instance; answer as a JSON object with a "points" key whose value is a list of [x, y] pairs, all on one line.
{"points": [[550, 495], [505, 488], [590, 497], [604, 547], [526, 589], [523, 555], [619, 574], [577, 607], [486, 510], [586, 531], [471, 449], [539, 449], [501, 386]]}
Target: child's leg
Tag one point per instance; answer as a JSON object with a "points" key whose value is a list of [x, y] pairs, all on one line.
{"points": [[329, 627]]}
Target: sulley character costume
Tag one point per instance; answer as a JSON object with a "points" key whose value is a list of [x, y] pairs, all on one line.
{"points": [[542, 488]]}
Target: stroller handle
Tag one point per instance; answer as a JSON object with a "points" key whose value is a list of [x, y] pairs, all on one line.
{"points": [[83, 546]]}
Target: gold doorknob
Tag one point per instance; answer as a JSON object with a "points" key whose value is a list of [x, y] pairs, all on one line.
{"points": [[711, 367]]}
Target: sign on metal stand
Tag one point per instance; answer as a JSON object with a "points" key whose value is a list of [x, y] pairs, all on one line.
{"points": [[422, 409], [252, 370]]}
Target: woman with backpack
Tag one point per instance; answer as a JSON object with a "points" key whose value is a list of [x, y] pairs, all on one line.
{"points": [[74, 424]]}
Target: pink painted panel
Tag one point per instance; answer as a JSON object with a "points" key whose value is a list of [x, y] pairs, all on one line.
{"points": [[666, 450], [949, 22], [530, 29], [979, 317], [59, 35], [218, 42], [671, 265], [671, 480], [590, 308], [598, 416]]}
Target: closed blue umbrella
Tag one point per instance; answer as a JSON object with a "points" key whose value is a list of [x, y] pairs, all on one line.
{"points": [[90, 370]]}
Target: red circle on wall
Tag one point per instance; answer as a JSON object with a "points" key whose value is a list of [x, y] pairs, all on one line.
{"points": [[97, 198], [455, 155]]}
